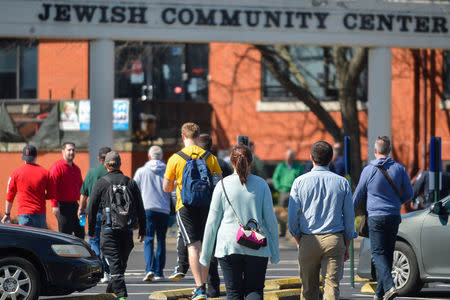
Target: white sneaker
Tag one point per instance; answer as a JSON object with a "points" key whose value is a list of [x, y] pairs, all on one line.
{"points": [[105, 278], [149, 276], [157, 278]]}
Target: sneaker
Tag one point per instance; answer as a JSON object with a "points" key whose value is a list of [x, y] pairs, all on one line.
{"points": [[175, 276], [199, 293], [157, 278], [105, 278], [123, 298], [390, 294], [149, 276], [375, 297]]}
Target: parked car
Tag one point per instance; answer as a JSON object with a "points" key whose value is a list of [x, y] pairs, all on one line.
{"points": [[422, 250], [36, 262]]}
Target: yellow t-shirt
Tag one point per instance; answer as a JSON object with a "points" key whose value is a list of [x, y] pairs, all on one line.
{"points": [[175, 165]]}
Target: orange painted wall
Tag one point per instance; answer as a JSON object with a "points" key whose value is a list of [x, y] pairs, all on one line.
{"points": [[63, 66], [10, 161], [409, 84], [235, 89]]}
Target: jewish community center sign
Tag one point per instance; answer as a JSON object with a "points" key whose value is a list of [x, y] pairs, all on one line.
{"points": [[321, 22]]}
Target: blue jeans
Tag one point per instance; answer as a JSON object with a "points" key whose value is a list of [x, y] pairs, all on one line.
{"points": [[156, 223], [95, 241], [244, 276], [383, 234], [33, 220]]}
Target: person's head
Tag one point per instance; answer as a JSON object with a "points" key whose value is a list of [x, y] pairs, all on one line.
{"points": [[338, 150], [68, 151], [290, 156], [190, 133], [29, 154], [251, 145], [321, 153], [241, 160], [112, 161], [102, 154], [155, 153], [382, 146], [205, 141]]}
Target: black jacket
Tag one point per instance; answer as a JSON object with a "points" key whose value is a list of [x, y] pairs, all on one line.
{"points": [[422, 187], [99, 196]]}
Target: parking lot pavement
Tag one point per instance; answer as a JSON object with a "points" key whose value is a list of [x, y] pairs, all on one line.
{"points": [[287, 268]]}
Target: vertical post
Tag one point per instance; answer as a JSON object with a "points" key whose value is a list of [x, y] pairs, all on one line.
{"points": [[380, 60], [435, 177], [101, 93], [347, 175]]}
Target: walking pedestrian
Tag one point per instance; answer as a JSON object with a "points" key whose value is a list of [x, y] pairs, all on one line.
{"points": [[86, 189], [191, 219], [321, 219], [120, 200], [31, 184], [283, 177], [67, 181], [149, 178], [244, 269], [386, 186]]}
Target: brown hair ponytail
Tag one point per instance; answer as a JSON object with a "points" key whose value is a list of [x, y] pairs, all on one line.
{"points": [[241, 159]]}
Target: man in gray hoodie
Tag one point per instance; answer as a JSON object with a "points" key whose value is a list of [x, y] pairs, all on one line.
{"points": [[149, 179]]}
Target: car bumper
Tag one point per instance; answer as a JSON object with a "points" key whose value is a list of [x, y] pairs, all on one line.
{"points": [[70, 275]]}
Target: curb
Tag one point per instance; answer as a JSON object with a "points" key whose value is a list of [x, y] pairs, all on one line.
{"points": [[288, 294], [369, 287], [282, 284], [360, 279], [284, 288], [90, 297]]}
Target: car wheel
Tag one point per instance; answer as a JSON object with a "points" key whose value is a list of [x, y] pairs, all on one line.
{"points": [[18, 279], [405, 271]]}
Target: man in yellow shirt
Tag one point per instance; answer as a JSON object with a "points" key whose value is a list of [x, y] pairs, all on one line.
{"points": [[191, 220]]}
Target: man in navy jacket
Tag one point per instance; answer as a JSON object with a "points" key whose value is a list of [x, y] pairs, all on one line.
{"points": [[383, 207]]}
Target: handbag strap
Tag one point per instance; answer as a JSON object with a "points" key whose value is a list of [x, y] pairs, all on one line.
{"points": [[226, 196], [386, 174]]}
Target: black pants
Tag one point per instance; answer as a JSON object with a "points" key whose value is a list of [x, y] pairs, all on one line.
{"points": [[116, 246], [244, 276], [68, 220], [213, 290]]}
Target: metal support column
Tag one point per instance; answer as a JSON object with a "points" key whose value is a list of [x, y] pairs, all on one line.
{"points": [[101, 93], [380, 75]]}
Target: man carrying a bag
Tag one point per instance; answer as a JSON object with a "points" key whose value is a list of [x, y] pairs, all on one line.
{"points": [[386, 185]]}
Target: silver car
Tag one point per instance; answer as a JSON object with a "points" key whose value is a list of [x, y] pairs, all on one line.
{"points": [[422, 250]]}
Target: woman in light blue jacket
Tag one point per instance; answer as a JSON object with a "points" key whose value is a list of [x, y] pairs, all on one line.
{"points": [[244, 269]]}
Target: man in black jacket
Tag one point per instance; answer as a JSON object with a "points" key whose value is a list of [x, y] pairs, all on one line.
{"points": [[116, 240]]}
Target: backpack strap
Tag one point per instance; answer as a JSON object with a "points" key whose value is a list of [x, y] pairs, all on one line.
{"points": [[205, 155], [184, 155]]}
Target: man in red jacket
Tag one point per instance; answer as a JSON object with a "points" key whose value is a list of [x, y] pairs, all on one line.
{"points": [[30, 183], [66, 180]]}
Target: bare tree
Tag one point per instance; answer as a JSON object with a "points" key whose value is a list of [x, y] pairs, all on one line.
{"points": [[349, 64]]}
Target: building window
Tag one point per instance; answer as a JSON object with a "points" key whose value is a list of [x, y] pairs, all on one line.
{"points": [[316, 64], [159, 71], [446, 74], [18, 69]]}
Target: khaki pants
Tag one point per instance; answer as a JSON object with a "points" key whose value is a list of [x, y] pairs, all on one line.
{"points": [[324, 251]]}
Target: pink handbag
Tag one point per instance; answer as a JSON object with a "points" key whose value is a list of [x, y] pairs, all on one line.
{"points": [[250, 235]]}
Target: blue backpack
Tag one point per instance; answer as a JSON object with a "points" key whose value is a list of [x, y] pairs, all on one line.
{"points": [[197, 182]]}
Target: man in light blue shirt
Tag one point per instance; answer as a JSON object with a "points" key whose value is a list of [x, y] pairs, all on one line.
{"points": [[321, 219]]}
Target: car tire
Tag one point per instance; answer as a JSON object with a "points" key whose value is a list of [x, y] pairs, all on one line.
{"points": [[20, 277], [405, 270]]}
